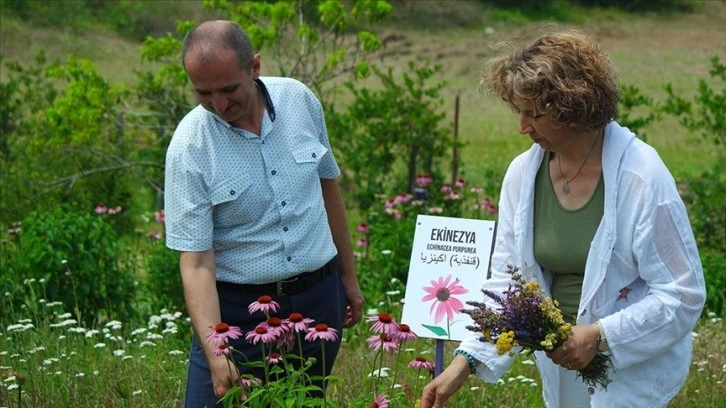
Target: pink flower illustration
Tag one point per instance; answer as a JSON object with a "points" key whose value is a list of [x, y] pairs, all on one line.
{"points": [[441, 292]]}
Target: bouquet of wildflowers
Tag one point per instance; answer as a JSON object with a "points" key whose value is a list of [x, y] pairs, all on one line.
{"points": [[527, 319]]}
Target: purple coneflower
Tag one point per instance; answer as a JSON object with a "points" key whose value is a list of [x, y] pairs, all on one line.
{"points": [[275, 326], [405, 333], [260, 333], [323, 332], [223, 350], [384, 340], [384, 323], [422, 364], [274, 358], [265, 304], [221, 332], [298, 323], [381, 401]]}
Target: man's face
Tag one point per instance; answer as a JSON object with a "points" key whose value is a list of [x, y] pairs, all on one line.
{"points": [[222, 87]]}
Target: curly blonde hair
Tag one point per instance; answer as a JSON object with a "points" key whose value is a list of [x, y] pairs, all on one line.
{"points": [[563, 74]]}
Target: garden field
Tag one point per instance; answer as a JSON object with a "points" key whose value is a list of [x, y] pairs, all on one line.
{"points": [[91, 307]]}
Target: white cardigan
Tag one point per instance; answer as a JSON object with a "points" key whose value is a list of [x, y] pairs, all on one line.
{"points": [[643, 277]]}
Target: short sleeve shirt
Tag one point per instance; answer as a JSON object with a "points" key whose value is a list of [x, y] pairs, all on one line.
{"points": [[255, 200]]}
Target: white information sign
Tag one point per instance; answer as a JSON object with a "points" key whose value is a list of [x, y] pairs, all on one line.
{"points": [[449, 264]]}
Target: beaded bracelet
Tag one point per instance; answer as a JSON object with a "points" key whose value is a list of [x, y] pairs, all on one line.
{"points": [[469, 358]]}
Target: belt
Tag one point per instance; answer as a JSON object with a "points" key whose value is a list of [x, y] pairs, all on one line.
{"points": [[296, 284]]}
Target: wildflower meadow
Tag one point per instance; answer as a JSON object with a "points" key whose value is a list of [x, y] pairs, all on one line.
{"points": [[51, 356], [92, 312]]}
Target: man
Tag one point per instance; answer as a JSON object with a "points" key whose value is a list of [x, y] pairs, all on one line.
{"points": [[251, 204]]}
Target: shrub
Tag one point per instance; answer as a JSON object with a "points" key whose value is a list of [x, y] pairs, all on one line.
{"points": [[162, 286], [77, 257]]}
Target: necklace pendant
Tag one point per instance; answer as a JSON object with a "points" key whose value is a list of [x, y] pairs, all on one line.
{"points": [[566, 188]]}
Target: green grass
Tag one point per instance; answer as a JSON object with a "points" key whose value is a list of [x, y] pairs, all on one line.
{"points": [[65, 366], [48, 360]]}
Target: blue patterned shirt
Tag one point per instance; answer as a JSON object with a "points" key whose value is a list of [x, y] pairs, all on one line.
{"points": [[256, 201]]}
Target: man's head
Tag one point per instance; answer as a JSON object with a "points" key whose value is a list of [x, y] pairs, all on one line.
{"points": [[222, 69], [204, 41]]}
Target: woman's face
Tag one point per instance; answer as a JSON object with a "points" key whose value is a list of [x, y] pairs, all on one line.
{"points": [[540, 127]]}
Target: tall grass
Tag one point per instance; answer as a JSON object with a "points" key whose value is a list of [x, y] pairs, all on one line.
{"points": [[48, 359]]}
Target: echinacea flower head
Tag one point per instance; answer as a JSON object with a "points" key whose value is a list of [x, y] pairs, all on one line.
{"points": [[421, 363], [264, 304], [274, 358], [384, 323], [381, 401], [405, 333], [383, 340], [160, 217], [423, 180], [362, 228], [275, 326], [442, 293], [298, 323], [223, 350], [260, 333], [323, 332], [249, 382], [221, 332]]}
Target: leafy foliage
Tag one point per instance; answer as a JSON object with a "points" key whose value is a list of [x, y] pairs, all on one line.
{"points": [[79, 257], [387, 136], [707, 112]]}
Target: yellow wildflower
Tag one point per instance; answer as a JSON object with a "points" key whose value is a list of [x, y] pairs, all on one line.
{"points": [[505, 342]]}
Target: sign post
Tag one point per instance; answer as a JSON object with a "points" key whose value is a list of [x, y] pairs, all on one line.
{"points": [[449, 262]]}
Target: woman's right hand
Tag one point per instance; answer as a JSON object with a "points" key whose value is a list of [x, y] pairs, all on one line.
{"points": [[438, 391]]}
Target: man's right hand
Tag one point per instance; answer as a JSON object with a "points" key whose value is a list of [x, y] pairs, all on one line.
{"points": [[224, 375]]}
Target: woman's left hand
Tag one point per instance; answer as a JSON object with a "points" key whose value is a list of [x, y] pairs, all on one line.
{"points": [[579, 348]]}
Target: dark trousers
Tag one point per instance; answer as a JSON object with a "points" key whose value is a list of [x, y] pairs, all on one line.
{"points": [[325, 303]]}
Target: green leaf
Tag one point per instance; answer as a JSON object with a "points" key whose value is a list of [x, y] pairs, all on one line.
{"points": [[439, 331]]}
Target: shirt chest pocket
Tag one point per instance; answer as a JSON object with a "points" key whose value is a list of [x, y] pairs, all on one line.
{"points": [[234, 203], [309, 153]]}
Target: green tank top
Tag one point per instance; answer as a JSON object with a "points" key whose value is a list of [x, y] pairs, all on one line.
{"points": [[562, 238]]}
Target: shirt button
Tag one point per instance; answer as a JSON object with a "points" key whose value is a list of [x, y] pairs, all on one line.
{"points": [[273, 172], [289, 258], [283, 203], [284, 229], [231, 192], [314, 155]]}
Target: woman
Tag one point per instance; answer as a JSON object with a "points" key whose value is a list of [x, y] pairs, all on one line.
{"points": [[592, 214]]}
